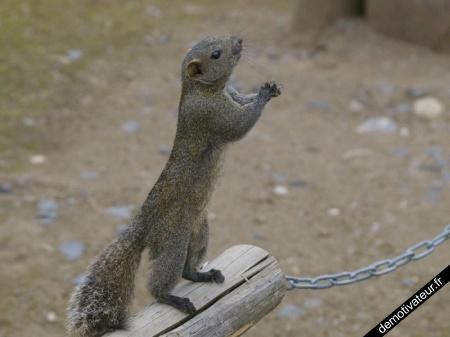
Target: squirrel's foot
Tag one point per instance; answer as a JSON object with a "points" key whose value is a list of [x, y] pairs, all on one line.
{"points": [[269, 90], [183, 304], [216, 276], [212, 275]]}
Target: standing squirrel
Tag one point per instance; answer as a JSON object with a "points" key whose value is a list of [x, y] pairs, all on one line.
{"points": [[172, 222]]}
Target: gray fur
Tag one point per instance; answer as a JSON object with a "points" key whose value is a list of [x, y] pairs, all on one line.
{"points": [[172, 222]]}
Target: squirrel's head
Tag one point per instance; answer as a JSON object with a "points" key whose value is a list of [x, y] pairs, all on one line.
{"points": [[210, 62]]}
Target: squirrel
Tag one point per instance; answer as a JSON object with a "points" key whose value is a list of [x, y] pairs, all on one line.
{"points": [[172, 221]]}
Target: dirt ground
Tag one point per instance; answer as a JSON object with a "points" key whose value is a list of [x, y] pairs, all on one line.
{"points": [[353, 198]]}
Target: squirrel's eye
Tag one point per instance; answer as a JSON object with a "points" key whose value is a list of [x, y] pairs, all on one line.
{"points": [[216, 54]]}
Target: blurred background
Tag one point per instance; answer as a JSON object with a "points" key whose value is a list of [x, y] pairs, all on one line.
{"points": [[350, 165]]}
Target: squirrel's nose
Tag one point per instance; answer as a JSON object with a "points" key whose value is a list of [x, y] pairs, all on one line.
{"points": [[237, 46]]}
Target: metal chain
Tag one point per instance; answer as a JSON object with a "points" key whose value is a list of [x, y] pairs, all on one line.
{"points": [[382, 267]]}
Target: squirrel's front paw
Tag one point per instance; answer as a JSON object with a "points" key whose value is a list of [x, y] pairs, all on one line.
{"points": [[269, 90]]}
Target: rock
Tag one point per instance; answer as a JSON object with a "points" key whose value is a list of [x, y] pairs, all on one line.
{"points": [[377, 125], [122, 212], [47, 211], [279, 178], [51, 317], [410, 281], [356, 153], [79, 279], [37, 159], [404, 131], [163, 39], [400, 108], [6, 188], [312, 303], [416, 92], [74, 54], [318, 104], [259, 237], [334, 211], [29, 122], [72, 250], [130, 126], [89, 175], [298, 183], [290, 311], [121, 228], [355, 105], [281, 190], [211, 216], [375, 227], [164, 149], [428, 107]]}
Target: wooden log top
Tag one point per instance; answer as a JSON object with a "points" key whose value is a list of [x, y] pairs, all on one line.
{"points": [[254, 285]]}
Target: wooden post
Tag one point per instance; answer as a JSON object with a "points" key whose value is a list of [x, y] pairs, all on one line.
{"points": [[254, 285]]}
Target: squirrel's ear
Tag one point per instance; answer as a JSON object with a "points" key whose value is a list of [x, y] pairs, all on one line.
{"points": [[193, 68]]}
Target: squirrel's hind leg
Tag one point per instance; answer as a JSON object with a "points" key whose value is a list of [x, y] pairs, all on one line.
{"points": [[166, 271], [197, 249]]}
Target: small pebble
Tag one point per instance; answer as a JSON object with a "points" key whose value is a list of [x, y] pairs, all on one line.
{"points": [[211, 216], [164, 149], [79, 279], [410, 281], [130, 126], [122, 212], [6, 188], [89, 175], [318, 104], [356, 153], [259, 237], [47, 211], [375, 227], [416, 92], [428, 107], [311, 303], [72, 250], [281, 190], [334, 211], [37, 159], [404, 204], [404, 132], [290, 311], [121, 228], [279, 178], [355, 105], [29, 122], [377, 125], [51, 317], [297, 183], [400, 108], [74, 54]]}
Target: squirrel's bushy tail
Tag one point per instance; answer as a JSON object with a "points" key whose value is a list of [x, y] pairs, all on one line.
{"points": [[100, 303]]}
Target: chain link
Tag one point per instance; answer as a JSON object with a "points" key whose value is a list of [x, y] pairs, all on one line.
{"points": [[382, 267]]}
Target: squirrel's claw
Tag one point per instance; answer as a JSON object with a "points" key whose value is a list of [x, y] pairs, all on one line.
{"points": [[269, 90]]}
